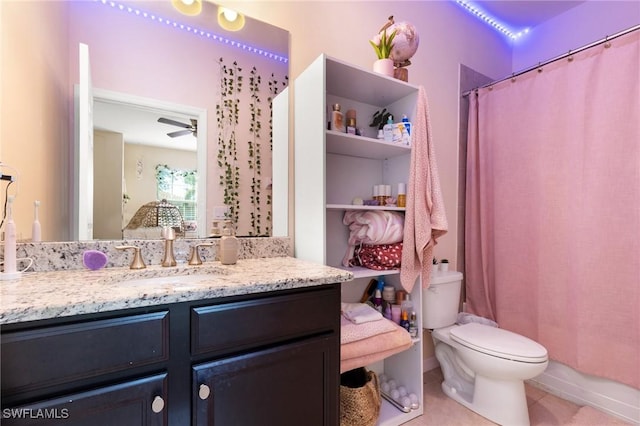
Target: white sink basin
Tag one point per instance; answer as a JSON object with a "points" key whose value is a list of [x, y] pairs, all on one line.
{"points": [[176, 280], [174, 276]]}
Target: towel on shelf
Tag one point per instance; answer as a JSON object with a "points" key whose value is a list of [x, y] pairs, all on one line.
{"points": [[371, 227], [359, 313], [350, 332], [375, 348], [425, 218]]}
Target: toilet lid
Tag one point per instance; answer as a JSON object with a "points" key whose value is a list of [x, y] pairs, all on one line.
{"points": [[498, 342]]}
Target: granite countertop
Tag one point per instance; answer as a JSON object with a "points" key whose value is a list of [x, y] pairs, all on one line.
{"points": [[45, 295]]}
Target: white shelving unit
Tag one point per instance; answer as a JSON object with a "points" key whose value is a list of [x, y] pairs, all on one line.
{"points": [[332, 168]]}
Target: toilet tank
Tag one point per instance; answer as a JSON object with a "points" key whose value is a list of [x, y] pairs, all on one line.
{"points": [[441, 300]]}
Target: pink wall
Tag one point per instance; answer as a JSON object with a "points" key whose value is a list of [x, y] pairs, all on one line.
{"points": [[34, 133]]}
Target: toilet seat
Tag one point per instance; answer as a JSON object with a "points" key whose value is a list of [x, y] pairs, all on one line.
{"points": [[498, 342]]}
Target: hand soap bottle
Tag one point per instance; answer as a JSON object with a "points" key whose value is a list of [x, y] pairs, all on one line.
{"points": [[228, 246]]}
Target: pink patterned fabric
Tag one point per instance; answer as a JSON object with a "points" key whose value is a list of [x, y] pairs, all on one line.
{"points": [[425, 219], [553, 208], [380, 257]]}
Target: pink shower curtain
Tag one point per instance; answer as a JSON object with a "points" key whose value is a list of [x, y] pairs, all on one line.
{"points": [[553, 208]]}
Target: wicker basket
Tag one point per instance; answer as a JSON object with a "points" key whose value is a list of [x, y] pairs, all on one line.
{"points": [[361, 406]]}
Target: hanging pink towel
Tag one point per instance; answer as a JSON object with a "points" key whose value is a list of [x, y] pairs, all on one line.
{"points": [[425, 219]]}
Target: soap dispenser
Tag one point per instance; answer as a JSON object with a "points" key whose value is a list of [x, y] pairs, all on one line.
{"points": [[228, 246]]}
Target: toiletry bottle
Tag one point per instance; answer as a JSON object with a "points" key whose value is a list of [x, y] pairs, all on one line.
{"points": [[377, 300], [351, 121], [407, 305], [402, 195], [337, 119], [228, 246], [10, 241], [407, 124], [404, 320], [413, 325], [388, 130], [387, 311], [381, 284], [36, 232], [406, 138]]}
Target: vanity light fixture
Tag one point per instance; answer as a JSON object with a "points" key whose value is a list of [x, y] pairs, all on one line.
{"points": [[196, 31], [188, 7], [489, 20], [230, 20]]}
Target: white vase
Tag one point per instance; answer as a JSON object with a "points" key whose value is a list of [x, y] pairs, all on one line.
{"points": [[384, 66]]}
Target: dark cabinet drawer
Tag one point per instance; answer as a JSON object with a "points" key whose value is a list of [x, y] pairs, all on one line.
{"points": [[131, 403], [242, 325], [289, 385], [38, 358]]}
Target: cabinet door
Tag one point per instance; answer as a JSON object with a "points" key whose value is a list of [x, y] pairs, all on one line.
{"points": [[294, 384], [136, 403]]}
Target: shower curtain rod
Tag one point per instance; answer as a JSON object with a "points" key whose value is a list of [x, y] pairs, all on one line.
{"points": [[557, 58]]}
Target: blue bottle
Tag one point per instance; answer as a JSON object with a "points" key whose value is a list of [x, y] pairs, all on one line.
{"points": [[407, 125]]}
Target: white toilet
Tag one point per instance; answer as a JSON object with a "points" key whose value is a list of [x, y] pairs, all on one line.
{"points": [[484, 367]]}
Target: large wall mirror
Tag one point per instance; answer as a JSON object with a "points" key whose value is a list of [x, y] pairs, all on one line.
{"points": [[182, 110]]}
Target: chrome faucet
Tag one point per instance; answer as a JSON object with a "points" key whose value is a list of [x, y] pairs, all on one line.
{"points": [[137, 262], [169, 258], [195, 259]]}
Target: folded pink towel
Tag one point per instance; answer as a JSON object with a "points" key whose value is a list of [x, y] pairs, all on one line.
{"points": [[363, 361], [399, 337], [372, 349], [350, 332]]}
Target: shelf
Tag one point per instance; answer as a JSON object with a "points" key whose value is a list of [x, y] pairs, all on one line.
{"points": [[390, 415], [362, 146], [353, 82], [354, 207], [360, 272]]}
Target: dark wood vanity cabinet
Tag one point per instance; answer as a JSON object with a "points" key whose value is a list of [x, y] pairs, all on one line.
{"points": [[268, 358]]}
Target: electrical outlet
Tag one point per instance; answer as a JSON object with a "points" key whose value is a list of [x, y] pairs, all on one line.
{"points": [[220, 212]]}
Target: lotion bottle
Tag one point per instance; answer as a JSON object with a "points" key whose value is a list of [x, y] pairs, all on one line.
{"points": [[388, 130], [337, 119], [228, 246]]}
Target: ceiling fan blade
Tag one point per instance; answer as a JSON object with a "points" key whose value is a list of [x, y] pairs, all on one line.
{"points": [[173, 122], [179, 133]]}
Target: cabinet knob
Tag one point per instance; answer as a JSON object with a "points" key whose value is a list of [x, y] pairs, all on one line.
{"points": [[158, 404], [204, 392]]}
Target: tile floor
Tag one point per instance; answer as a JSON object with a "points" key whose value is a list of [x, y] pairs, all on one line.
{"points": [[544, 409]]}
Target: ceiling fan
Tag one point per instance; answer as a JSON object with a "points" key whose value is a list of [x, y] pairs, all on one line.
{"points": [[189, 128]]}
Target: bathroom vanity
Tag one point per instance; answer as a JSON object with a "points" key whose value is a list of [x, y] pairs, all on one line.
{"points": [[251, 343]]}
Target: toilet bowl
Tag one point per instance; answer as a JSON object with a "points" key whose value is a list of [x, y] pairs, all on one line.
{"points": [[484, 367]]}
